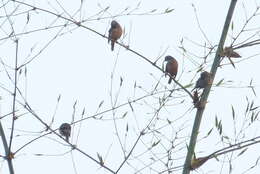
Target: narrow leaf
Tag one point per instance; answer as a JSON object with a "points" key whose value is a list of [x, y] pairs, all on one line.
{"points": [[156, 143], [220, 82], [101, 103], [243, 151], [233, 112], [124, 114]]}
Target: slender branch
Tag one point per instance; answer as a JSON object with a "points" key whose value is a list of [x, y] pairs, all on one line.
{"points": [[248, 44], [205, 94], [142, 133], [236, 146], [28, 108], [14, 97], [82, 119], [9, 155], [94, 31], [246, 23], [131, 151], [231, 148], [9, 160]]}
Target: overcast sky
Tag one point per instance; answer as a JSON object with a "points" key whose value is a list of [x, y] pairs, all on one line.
{"points": [[77, 64]]}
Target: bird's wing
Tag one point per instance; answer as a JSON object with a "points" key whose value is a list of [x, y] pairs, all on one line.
{"points": [[109, 34]]}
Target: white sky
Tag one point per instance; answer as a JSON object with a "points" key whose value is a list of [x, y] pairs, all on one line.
{"points": [[78, 64]]}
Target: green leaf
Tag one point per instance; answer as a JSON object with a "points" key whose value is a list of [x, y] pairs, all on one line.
{"points": [[220, 82], [233, 112], [243, 151], [216, 121], [254, 108], [101, 103], [168, 10], [121, 81], [252, 118], [253, 89], [220, 128], [251, 81], [58, 99], [124, 114], [252, 104], [226, 137], [247, 106], [156, 143], [209, 132], [83, 112], [256, 115]]}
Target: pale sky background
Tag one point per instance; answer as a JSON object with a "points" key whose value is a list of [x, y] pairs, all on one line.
{"points": [[78, 64]]}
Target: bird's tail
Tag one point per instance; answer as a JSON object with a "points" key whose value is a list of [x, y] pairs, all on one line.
{"points": [[67, 138], [112, 45], [170, 80]]}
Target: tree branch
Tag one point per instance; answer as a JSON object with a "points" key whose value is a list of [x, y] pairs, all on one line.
{"points": [[205, 94]]}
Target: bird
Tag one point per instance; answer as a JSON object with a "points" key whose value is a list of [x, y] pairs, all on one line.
{"points": [[65, 130], [196, 98], [197, 162], [203, 81], [171, 67], [114, 33], [230, 53]]}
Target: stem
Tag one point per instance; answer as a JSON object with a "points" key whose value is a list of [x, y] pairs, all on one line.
{"points": [[9, 160], [205, 94], [14, 97], [7, 148], [92, 30]]}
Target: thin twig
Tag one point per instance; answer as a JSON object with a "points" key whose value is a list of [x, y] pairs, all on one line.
{"points": [[14, 98], [131, 151], [28, 108], [94, 31], [9, 160]]}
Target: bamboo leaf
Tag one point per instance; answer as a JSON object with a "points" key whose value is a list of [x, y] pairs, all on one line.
{"points": [[216, 121], [155, 143], [168, 10], [233, 112], [124, 114], [101, 103], [243, 151], [220, 82], [100, 159], [209, 132]]}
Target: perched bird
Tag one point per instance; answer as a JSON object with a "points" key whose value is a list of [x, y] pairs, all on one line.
{"points": [[203, 81], [196, 98], [65, 130], [197, 162], [229, 52], [114, 33], [171, 67]]}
